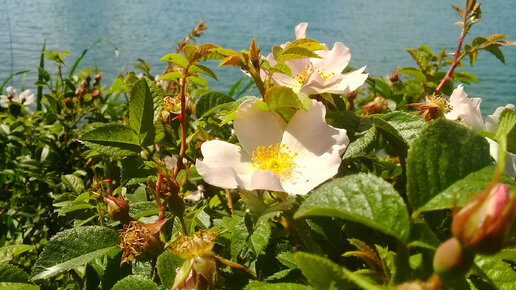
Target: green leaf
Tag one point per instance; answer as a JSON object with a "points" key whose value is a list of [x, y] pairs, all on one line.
{"points": [[171, 76], [112, 139], [418, 75], [7, 253], [73, 183], [280, 97], [141, 112], [260, 237], [296, 53], [210, 100], [362, 198], [362, 145], [202, 69], [134, 170], [464, 190], [507, 127], [176, 58], [307, 43], [256, 285], [499, 268], [409, 126], [444, 153], [74, 247], [143, 208], [11, 273], [422, 236], [166, 265], [281, 68], [17, 286], [322, 273], [135, 282], [496, 51], [392, 136]]}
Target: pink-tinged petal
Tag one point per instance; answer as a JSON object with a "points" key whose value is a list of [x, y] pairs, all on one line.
{"points": [[308, 134], [466, 109], [255, 127], [301, 30], [260, 179], [311, 172], [350, 82], [334, 60], [221, 161]]}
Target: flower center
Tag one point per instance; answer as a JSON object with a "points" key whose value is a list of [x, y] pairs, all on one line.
{"points": [[301, 77], [278, 159]]}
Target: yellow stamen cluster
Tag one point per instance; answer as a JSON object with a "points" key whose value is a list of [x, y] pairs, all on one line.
{"points": [[278, 159], [442, 103], [301, 77], [200, 244], [325, 75]]}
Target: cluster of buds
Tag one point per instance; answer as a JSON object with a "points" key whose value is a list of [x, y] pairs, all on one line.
{"points": [[483, 226], [84, 93]]}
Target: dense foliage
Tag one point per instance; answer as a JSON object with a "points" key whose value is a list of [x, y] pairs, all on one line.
{"points": [[305, 174]]}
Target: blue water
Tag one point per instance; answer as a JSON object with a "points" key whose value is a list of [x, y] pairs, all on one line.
{"points": [[377, 32]]}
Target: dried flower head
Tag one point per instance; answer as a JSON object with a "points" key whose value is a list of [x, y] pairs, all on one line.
{"points": [[200, 244], [137, 238]]}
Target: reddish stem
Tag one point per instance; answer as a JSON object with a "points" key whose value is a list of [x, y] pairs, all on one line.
{"points": [[456, 59], [182, 119]]}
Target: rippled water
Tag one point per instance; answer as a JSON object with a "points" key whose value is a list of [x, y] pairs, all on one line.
{"points": [[377, 32]]}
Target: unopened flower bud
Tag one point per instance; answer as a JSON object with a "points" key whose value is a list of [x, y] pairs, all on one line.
{"points": [[117, 208], [452, 260], [483, 225], [375, 107], [68, 102], [95, 94], [97, 78], [394, 77], [79, 92]]}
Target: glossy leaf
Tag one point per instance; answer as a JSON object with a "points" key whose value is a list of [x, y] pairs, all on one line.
{"points": [[464, 190], [499, 268], [72, 248], [7, 253], [141, 112], [135, 282], [74, 183], [171, 76], [256, 285], [11, 273], [112, 139], [176, 58], [444, 153], [167, 264], [210, 100], [362, 198]]}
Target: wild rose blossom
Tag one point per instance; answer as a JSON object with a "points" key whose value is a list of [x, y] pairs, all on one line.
{"points": [[293, 157], [25, 98], [320, 75], [467, 111]]}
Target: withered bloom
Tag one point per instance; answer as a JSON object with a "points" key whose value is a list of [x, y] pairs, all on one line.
{"points": [[137, 238]]}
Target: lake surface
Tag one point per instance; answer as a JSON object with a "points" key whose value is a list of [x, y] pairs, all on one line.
{"points": [[377, 32]]}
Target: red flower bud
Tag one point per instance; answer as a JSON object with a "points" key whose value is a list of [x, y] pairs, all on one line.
{"points": [[117, 208], [483, 224]]}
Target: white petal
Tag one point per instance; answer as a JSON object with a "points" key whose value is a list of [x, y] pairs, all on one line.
{"points": [[3, 101], [492, 120], [311, 172], [334, 60], [28, 96], [466, 109], [301, 30], [350, 82], [260, 179], [314, 85], [221, 161], [255, 127], [310, 136]]}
